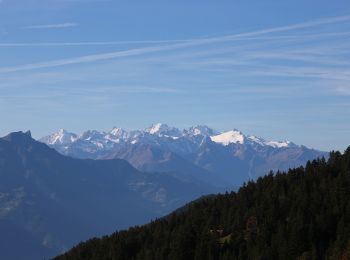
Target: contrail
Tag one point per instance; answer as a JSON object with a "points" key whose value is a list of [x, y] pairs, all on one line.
{"points": [[155, 49]]}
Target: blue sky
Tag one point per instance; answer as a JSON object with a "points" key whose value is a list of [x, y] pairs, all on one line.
{"points": [[276, 69]]}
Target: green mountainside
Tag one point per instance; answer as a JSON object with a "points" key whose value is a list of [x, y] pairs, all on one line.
{"points": [[302, 214]]}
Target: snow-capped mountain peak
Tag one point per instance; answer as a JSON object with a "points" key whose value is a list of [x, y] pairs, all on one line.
{"points": [[117, 131], [91, 134], [158, 134], [163, 130], [256, 139], [60, 137], [226, 138], [201, 130], [117, 134], [157, 128]]}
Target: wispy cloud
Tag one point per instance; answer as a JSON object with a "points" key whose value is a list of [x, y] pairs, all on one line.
{"points": [[306, 52], [89, 58], [79, 44], [161, 48], [52, 26], [345, 90]]}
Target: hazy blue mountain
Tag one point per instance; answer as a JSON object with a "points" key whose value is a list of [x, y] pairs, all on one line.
{"points": [[49, 202], [221, 158]]}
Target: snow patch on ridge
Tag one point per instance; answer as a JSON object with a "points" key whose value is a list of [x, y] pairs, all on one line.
{"points": [[274, 144], [277, 144], [229, 137]]}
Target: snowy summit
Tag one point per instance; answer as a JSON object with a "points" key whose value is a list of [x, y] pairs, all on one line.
{"points": [[159, 133]]}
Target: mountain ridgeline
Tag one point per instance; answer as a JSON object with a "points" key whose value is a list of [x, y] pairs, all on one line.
{"points": [[219, 158], [49, 202], [301, 214]]}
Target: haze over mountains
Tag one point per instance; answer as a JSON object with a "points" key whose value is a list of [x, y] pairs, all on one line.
{"points": [[49, 202], [220, 158]]}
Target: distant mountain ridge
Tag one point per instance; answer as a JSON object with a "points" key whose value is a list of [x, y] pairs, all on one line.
{"points": [[221, 158], [49, 201], [117, 135]]}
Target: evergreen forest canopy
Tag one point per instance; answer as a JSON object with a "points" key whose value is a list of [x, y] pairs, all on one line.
{"points": [[301, 214]]}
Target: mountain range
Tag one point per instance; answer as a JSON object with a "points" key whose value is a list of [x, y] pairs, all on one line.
{"points": [[67, 188], [49, 202], [223, 159]]}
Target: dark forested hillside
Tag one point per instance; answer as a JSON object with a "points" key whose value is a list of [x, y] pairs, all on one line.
{"points": [[302, 214]]}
